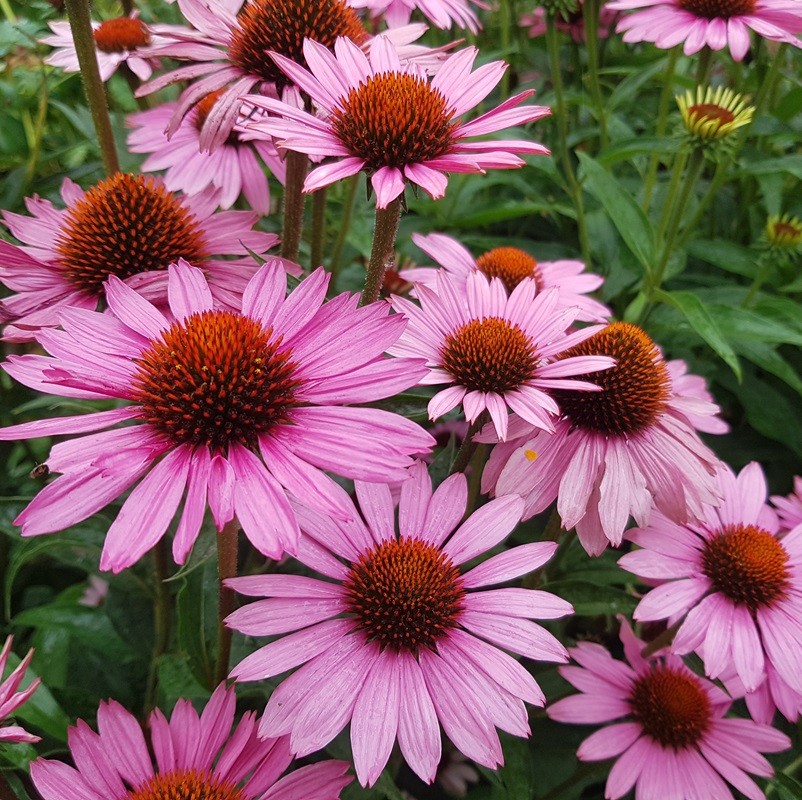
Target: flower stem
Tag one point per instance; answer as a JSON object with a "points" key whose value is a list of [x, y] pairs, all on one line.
{"points": [[662, 122], [318, 227], [226, 568], [81, 26], [345, 224], [767, 85], [161, 619], [661, 641], [505, 20], [591, 18], [468, 446], [6, 792], [703, 67], [560, 114], [763, 269], [381, 252], [294, 201]]}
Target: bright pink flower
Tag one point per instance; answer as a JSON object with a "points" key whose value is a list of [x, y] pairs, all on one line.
{"points": [[128, 226], [212, 391], [204, 756], [397, 639], [574, 25], [122, 40], [713, 23], [233, 45], [441, 13], [789, 509], [734, 585], [511, 265], [670, 738], [11, 699], [614, 452], [234, 168], [773, 695], [495, 351], [384, 117]]}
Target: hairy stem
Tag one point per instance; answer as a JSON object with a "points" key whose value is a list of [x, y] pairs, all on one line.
{"points": [[345, 224], [226, 568], [384, 233], [83, 36], [318, 228], [294, 202]]}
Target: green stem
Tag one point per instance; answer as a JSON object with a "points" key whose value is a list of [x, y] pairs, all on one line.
{"points": [[6, 792], [764, 267], [703, 67], [318, 227], [381, 253], [294, 201], [766, 90], [666, 97], [226, 568], [560, 114], [345, 224], [468, 446], [161, 618], [677, 174], [505, 18], [661, 641], [591, 18], [82, 34], [475, 480], [8, 12]]}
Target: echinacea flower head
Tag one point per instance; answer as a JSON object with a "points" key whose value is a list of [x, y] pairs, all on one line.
{"points": [[614, 452], [669, 735], [710, 114], [193, 755], [789, 508], [731, 582], [511, 265], [121, 40], [129, 226], [239, 409], [232, 49], [495, 351], [443, 14], [387, 118], [11, 699], [784, 233], [235, 168], [398, 639], [713, 23]]}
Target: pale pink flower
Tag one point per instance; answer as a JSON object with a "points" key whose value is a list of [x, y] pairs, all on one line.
{"points": [[384, 117], [233, 45], [574, 25], [234, 168], [193, 755], [129, 226], [122, 40], [670, 736], [397, 639], [11, 699], [615, 452], [511, 265], [442, 14], [237, 409], [789, 508], [94, 594], [456, 773], [733, 586], [495, 351], [713, 23]]}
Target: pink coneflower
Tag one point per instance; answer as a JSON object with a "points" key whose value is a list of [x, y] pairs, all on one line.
{"points": [[11, 699], [614, 452], [129, 226], [417, 645], [670, 738], [496, 351], [234, 168], [574, 25], [773, 695], [122, 40], [789, 508], [713, 23], [441, 13], [233, 46], [196, 756], [386, 118], [735, 586], [212, 391], [512, 265]]}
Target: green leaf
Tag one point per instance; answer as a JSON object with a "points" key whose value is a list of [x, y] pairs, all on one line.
{"points": [[623, 210], [783, 165], [742, 323], [704, 324], [591, 599], [41, 710], [725, 255], [787, 787], [767, 358]]}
